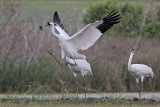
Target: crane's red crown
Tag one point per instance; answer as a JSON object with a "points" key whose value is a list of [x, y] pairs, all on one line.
{"points": [[132, 49]]}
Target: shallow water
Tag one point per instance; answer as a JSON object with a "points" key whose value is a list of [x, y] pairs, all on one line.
{"points": [[154, 96]]}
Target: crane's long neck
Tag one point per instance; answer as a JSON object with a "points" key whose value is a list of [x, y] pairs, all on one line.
{"points": [[130, 60], [53, 31]]}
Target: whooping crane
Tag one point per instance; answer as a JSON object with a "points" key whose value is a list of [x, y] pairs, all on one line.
{"points": [[83, 39], [82, 68], [139, 71]]}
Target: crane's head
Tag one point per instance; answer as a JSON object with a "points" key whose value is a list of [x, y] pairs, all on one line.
{"points": [[132, 50], [50, 24]]}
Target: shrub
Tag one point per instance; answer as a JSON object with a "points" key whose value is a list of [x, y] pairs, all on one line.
{"points": [[152, 29], [132, 17], [98, 10]]}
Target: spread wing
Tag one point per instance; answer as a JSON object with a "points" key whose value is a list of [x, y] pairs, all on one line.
{"points": [[59, 25], [86, 37]]}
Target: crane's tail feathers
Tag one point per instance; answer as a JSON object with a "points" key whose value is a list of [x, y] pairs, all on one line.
{"points": [[152, 75], [90, 73]]}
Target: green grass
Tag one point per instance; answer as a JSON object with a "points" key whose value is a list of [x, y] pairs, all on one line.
{"points": [[71, 105], [45, 4], [56, 4], [88, 102]]}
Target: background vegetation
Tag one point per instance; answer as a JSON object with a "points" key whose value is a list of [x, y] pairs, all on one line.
{"points": [[25, 67], [132, 14]]}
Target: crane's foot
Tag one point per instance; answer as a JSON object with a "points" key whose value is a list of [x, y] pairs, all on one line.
{"points": [[139, 95]]}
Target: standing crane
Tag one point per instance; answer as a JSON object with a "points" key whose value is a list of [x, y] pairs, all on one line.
{"points": [[83, 39], [82, 68], [139, 71]]}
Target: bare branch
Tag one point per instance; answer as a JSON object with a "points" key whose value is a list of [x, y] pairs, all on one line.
{"points": [[49, 52]]}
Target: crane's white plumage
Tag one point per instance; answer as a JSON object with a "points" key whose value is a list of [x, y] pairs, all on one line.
{"points": [[139, 71], [86, 37], [83, 67], [83, 39], [67, 48]]}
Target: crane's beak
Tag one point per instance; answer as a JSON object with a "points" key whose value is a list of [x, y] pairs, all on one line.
{"points": [[40, 27], [48, 24]]}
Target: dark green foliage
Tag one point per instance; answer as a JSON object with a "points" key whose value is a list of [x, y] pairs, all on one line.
{"points": [[132, 17], [98, 10], [131, 20], [152, 29], [99, 76]]}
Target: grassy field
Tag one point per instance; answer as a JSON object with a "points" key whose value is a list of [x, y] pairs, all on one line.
{"points": [[54, 4], [89, 102], [72, 105], [69, 4]]}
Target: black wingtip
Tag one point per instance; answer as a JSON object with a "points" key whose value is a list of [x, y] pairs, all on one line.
{"points": [[111, 12], [109, 21], [55, 13], [56, 18]]}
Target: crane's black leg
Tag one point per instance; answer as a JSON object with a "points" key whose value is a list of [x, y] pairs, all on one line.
{"points": [[75, 62], [84, 86], [76, 81], [142, 87], [139, 89]]}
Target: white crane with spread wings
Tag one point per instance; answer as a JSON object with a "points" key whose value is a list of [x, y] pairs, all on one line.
{"points": [[83, 39]]}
